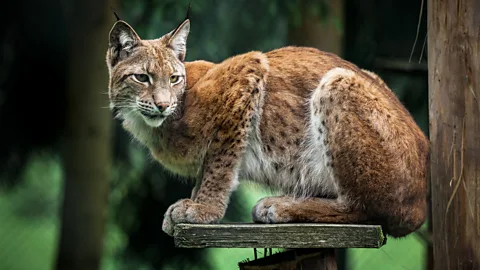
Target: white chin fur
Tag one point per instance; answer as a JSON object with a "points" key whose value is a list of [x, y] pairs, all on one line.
{"points": [[154, 122]]}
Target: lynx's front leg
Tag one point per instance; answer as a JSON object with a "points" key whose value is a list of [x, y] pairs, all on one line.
{"points": [[220, 178], [239, 100]]}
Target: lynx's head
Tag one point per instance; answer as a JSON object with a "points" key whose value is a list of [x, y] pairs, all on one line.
{"points": [[147, 77]]}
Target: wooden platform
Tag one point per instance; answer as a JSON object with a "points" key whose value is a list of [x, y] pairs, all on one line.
{"points": [[250, 235]]}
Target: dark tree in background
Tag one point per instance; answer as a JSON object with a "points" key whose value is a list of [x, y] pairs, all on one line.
{"points": [[32, 81], [87, 154], [317, 24]]}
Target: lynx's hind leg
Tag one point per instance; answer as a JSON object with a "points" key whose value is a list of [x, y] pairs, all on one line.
{"points": [[379, 155], [285, 209]]}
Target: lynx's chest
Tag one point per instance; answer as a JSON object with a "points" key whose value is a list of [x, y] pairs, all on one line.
{"points": [[173, 147], [180, 163]]}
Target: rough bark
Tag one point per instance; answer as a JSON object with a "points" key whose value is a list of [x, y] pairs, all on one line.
{"points": [[87, 155], [454, 97]]}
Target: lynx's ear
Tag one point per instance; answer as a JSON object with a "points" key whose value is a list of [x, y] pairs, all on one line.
{"points": [[177, 39], [122, 41]]}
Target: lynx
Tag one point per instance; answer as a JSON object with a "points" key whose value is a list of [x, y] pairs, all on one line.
{"points": [[330, 136]]}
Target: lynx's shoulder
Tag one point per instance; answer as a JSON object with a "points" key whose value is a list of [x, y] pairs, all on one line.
{"points": [[219, 93]]}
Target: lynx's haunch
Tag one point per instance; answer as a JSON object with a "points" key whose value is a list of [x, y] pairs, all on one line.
{"points": [[333, 138]]}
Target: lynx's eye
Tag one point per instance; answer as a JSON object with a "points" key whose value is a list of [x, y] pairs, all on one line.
{"points": [[174, 79], [141, 77]]}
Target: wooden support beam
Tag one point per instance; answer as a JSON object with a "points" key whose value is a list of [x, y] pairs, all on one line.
{"points": [[249, 235], [301, 259]]}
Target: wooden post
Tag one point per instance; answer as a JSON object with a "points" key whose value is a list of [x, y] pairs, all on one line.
{"points": [[454, 97]]}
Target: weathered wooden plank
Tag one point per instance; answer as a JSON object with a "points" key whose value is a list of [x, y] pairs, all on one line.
{"points": [[250, 235]]}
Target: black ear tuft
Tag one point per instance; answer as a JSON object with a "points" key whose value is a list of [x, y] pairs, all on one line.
{"points": [[177, 39], [187, 17], [116, 15]]}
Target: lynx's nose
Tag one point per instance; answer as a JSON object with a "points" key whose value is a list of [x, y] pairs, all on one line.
{"points": [[162, 106]]}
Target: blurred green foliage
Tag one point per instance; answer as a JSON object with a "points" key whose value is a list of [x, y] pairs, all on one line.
{"points": [[29, 216]]}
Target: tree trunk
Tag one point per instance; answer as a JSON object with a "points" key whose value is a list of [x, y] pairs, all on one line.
{"points": [[322, 33], [454, 97], [87, 155]]}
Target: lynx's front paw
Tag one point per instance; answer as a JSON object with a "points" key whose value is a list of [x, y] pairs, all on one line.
{"points": [[273, 210], [187, 211]]}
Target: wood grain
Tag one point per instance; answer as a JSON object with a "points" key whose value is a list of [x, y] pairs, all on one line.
{"points": [[249, 235], [454, 98]]}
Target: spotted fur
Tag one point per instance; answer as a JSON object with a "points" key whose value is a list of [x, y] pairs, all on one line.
{"points": [[331, 137]]}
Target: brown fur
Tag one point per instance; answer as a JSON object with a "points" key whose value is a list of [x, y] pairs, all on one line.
{"points": [[373, 150]]}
